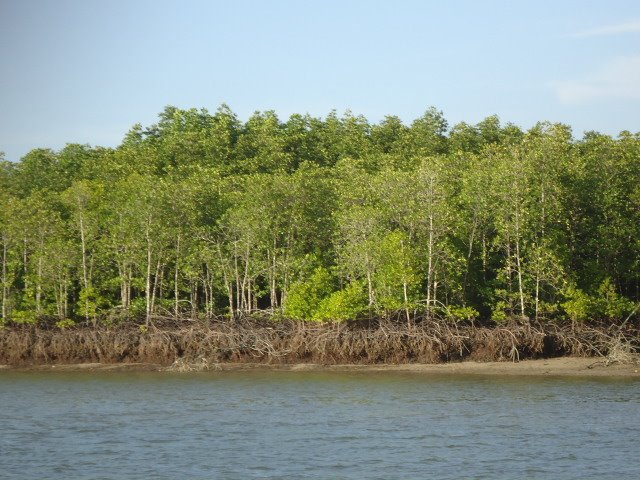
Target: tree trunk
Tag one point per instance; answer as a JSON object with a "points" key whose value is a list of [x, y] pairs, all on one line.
{"points": [[239, 293], [519, 264], [227, 281], [430, 264], [65, 297], [5, 288], [39, 286], [157, 285], [122, 283], [58, 293], [176, 307], [208, 292], [406, 301], [370, 283], [148, 281], [273, 295], [435, 287], [468, 266], [25, 267], [245, 287], [194, 298], [85, 271], [542, 242], [537, 289], [128, 287], [509, 271]]}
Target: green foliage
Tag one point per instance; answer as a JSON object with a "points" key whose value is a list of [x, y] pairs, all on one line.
{"points": [[304, 298], [202, 214], [90, 302], [396, 274], [578, 305], [24, 316], [606, 303], [499, 313], [457, 312], [346, 304], [138, 307], [610, 304], [65, 323]]}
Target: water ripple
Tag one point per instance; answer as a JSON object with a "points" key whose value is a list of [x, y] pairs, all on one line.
{"points": [[315, 425]]}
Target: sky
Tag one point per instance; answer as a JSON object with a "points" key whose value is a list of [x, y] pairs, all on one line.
{"points": [[86, 71]]}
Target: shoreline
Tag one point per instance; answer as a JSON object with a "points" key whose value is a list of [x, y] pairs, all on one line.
{"points": [[561, 367]]}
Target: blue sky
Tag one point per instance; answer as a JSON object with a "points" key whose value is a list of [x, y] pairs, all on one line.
{"points": [[84, 71]]}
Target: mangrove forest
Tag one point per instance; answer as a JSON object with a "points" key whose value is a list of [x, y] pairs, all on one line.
{"points": [[317, 221]]}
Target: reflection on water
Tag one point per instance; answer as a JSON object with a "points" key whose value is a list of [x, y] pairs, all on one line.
{"points": [[315, 425]]}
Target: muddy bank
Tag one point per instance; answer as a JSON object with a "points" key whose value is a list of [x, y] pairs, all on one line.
{"points": [[200, 345], [561, 367]]}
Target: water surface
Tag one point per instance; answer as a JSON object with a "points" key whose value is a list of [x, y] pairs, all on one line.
{"points": [[240, 425]]}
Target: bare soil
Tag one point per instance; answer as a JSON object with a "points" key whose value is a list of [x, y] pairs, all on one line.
{"points": [[561, 367]]}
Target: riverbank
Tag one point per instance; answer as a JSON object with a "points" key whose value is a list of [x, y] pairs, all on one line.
{"points": [[429, 346], [563, 367]]}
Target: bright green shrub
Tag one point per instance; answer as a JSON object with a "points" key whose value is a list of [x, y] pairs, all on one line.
{"points": [[66, 323], [610, 304], [304, 298], [605, 304], [345, 304], [456, 312], [579, 305], [24, 316]]}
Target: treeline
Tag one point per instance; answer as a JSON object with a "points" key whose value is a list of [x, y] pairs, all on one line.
{"points": [[323, 219]]}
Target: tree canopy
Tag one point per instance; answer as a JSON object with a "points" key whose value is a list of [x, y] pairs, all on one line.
{"points": [[329, 218]]}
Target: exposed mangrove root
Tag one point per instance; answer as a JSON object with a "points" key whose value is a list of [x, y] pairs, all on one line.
{"points": [[189, 345], [200, 364]]}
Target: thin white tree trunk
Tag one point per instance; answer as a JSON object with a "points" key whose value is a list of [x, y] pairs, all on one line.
{"points": [[406, 300], [537, 288], [469, 253], [176, 308], [246, 287], [274, 297], [542, 232], [85, 271], [5, 289], [430, 264], [148, 280], [227, 281], [519, 265], [370, 282], [39, 286], [25, 266], [157, 286], [239, 292]]}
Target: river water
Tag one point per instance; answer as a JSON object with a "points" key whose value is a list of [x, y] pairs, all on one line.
{"points": [[297, 425]]}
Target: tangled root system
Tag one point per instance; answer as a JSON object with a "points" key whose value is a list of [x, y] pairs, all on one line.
{"points": [[199, 345]]}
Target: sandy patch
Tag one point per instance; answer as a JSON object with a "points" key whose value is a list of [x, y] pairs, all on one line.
{"points": [[565, 366]]}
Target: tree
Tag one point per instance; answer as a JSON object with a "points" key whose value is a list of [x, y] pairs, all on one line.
{"points": [[8, 239], [261, 146], [38, 171], [326, 218], [397, 279], [427, 135], [83, 200], [388, 135]]}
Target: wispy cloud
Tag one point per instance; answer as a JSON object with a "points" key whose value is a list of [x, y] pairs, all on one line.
{"points": [[632, 26], [618, 79]]}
